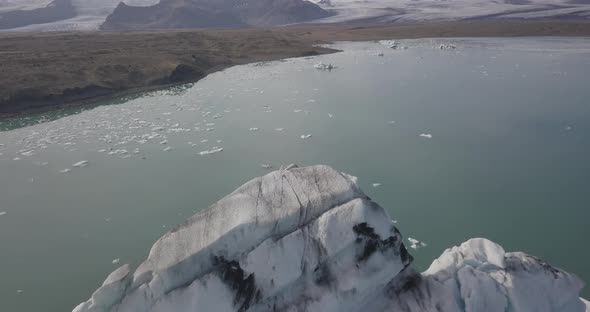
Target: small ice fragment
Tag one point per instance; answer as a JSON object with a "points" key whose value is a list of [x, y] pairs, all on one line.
{"points": [[253, 129], [391, 122], [211, 151], [297, 111], [426, 135], [305, 136], [116, 261], [102, 150], [204, 141], [330, 115], [2, 213], [423, 244], [168, 149], [16, 158], [65, 170], [376, 184], [322, 66], [568, 128], [164, 142], [380, 54], [82, 163], [20, 291], [280, 129], [394, 221], [447, 46], [266, 166]]}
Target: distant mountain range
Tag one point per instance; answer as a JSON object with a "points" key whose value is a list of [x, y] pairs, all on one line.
{"points": [[213, 14], [60, 15]]}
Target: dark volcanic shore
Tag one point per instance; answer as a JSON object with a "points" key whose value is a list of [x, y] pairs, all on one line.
{"points": [[46, 71]]}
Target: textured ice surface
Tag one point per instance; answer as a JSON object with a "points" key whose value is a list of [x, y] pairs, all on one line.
{"points": [[420, 10], [308, 239]]}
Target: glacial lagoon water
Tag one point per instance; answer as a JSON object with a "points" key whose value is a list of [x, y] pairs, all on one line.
{"points": [[491, 139]]}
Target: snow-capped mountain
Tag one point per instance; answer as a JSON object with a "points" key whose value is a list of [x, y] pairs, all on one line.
{"points": [[308, 239], [38, 15], [41, 15]]}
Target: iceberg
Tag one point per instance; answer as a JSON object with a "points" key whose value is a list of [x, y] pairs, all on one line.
{"points": [[322, 66], [309, 239]]}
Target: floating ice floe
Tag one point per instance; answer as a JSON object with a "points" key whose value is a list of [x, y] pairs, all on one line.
{"points": [[20, 291], [102, 150], [426, 135], [416, 243], [266, 166], [211, 151], [82, 163], [297, 110], [167, 149], [322, 66], [447, 46], [376, 184], [164, 142], [2, 213], [305, 136], [204, 141], [253, 129], [116, 261], [65, 170]]}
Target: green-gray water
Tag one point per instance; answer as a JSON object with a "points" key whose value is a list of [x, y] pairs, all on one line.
{"points": [[507, 160]]}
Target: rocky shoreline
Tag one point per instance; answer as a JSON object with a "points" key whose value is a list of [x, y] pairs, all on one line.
{"points": [[47, 71]]}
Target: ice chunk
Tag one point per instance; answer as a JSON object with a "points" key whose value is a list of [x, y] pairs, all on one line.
{"points": [[167, 149], [115, 261], [266, 166], [82, 163], [305, 136], [447, 46], [211, 151], [253, 129], [322, 66], [426, 135], [2, 213], [376, 184], [65, 170]]}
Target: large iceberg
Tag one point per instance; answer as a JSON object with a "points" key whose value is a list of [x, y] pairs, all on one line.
{"points": [[308, 239]]}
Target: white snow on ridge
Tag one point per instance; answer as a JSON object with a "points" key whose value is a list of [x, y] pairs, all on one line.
{"points": [[420, 10], [91, 13], [308, 239]]}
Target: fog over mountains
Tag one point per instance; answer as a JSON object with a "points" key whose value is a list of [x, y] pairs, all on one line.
{"points": [[59, 15]]}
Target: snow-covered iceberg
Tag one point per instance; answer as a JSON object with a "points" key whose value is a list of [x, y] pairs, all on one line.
{"points": [[308, 239]]}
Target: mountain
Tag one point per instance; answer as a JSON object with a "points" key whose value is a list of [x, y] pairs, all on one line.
{"points": [[54, 11], [65, 15], [308, 239], [58, 15], [212, 14]]}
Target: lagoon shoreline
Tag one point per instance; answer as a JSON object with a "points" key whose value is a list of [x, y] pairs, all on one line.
{"points": [[50, 71]]}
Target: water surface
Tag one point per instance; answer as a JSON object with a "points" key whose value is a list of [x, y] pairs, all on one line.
{"points": [[509, 121]]}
